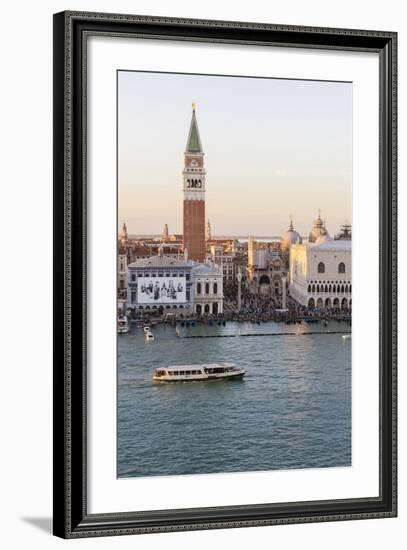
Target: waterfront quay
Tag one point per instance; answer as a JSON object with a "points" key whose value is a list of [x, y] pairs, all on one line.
{"points": [[294, 315]]}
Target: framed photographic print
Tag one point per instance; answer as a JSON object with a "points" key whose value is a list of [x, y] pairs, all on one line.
{"points": [[224, 274]]}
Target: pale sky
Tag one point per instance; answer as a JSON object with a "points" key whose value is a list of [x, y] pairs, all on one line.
{"points": [[272, 148]]}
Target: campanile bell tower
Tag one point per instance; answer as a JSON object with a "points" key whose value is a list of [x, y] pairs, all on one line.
{"points": [[194, 194]]}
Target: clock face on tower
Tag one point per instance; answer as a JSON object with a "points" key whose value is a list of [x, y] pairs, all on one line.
{"points": [[194, 162]]}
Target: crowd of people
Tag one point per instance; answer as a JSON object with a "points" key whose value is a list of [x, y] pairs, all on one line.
{"points": [[262, 307]]}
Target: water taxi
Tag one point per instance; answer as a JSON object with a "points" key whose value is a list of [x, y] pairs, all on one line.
{"points": [[122, 325], [148, 336], [186, 373], [146, 328]]}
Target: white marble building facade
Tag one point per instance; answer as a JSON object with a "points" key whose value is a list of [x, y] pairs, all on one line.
{"points": [[208, 289], [321, 273]]}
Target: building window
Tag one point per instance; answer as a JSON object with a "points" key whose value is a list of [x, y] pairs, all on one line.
{"points": [[341, 268], [206, 288], [215, 288], [187, 276], [198, 288], [321, 267], [133, 297], [133, 277]]}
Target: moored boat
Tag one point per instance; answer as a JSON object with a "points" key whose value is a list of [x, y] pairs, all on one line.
{"points": [[186, 373], [148, 336], [122, 325]]}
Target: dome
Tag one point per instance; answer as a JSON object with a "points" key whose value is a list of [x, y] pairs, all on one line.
{"points": [[290, 237], [318, 230], [323, 239]]}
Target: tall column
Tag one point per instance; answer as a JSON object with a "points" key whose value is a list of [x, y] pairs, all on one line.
{"points": [[239, 289], [284, 283]]}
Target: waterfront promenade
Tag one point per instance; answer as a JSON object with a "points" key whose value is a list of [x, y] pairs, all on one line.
{"points": [[256, 311]]}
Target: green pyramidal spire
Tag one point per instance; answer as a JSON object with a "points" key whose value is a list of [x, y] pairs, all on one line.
{"points": [[194, 141]]}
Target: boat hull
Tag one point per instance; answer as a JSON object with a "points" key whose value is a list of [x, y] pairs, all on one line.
{"points": [[200, 377]]}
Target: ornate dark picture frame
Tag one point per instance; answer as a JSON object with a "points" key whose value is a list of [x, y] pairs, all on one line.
{"points": [[71, 517]]}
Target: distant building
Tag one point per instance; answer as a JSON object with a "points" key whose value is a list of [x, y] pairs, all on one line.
{"points": [[137, 251], [208, 233], [176, 238], [160, 284], [172, 250], [266, 269], [164, 236], [321, 273], [225, 260], [208, 289], [123, 236], [239, 248], [345, 232]]}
